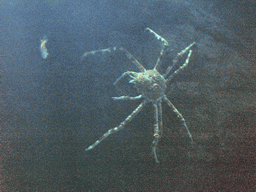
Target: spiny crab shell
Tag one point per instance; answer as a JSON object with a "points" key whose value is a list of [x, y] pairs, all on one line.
{"points": [[151, 84]]}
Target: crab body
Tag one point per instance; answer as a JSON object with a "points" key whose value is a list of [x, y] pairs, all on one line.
{"points": [[151, 84]]}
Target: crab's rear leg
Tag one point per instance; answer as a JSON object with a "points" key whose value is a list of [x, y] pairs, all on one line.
{"points": [[158, 125], [160, 114], [179, 115], [118, 128]]}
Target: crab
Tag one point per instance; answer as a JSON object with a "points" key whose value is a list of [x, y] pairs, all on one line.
{"points": [[151, 86]]}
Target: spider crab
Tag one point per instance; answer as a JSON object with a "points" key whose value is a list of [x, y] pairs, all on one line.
{"points": [[151, 85]]}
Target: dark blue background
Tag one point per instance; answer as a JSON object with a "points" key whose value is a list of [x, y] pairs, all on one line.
{"points": [[52, 109]]}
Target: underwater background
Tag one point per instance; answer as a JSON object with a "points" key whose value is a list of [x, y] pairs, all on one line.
{"points": [[52, 109]]}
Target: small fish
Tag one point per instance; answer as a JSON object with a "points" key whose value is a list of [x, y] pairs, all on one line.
{"points": [[43, 49]]}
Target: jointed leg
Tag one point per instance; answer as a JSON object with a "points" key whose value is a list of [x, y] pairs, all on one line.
{"points": [[166, 44], [160, 57], [121, 126], [132, 59], [158, 36], [157, 135], [129, 55], [130, 73], [160, 118], [127, 98], [179, 115], [98, 51], [181, 67], [177, 57]]}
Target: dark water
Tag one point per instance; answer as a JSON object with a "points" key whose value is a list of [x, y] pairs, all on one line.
{"points": [[52, 109]]}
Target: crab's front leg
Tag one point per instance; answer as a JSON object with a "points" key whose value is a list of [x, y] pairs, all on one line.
{"points": [[180, 68], [177, 57], [98, 51], [127, 97], [130, 73]]}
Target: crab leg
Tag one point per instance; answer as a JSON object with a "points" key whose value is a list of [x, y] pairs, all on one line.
{"points": [[177, 57], [181, 67], [127, 98], [98, 51], [163, 51], [157, 136], [129, 55], [166, 44], [179, 115], [130, 73], [132, 59], [116, 129], [158, 36], [160, 118]]}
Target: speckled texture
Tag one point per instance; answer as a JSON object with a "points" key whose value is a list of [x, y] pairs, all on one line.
{"points": [[53, 109]]}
